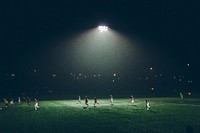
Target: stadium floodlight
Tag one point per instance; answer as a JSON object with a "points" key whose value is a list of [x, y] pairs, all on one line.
{"points": [[103, 28]]}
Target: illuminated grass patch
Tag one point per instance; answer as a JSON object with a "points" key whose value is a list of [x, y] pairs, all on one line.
{"points": [[61, 116]]}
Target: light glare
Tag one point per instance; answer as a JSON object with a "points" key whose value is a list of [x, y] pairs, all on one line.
{"points": [[103, 28]]}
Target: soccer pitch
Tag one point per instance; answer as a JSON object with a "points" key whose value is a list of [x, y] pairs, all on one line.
{"points": [[166, 115]]}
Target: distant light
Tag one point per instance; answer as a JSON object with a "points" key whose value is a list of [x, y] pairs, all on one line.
{"points": [[189, 93], [103, 28], [114, 74], [152, 89], [151, 68], [35, 70], [53, 75], [188, 65], [12, 75], [113, 80]]}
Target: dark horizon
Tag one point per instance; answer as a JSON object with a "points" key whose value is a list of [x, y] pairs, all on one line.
{"points": [[164, 35]]}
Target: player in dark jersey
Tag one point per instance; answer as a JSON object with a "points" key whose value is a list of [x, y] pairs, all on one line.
{"points": [[86, 101], [95, 102]]}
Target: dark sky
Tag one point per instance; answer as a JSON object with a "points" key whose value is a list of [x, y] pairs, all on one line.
{"points": [[30, 30]]}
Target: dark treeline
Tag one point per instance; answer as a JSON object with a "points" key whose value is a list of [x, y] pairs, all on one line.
{"points": [[71, 85]]}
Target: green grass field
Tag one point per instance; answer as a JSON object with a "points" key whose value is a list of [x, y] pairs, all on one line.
{"points": [[166, 115]]}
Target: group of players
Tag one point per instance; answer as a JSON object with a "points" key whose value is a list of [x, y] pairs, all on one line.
{"points": [[27, 100], [112, 101], [36, 104]]}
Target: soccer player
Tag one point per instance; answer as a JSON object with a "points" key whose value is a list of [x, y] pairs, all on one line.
{"points": [[6, 103], [86, 101], [95, 101], [147, 104], [132, 100], [28, 100], [36, 105], [12, 102], [19, 100], [181, 97], [79, 99], [111, 100]]}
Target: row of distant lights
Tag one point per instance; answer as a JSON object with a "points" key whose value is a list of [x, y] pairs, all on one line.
{"points": [[80, 76], [114, 75], [54, 75], [104, 28], [95, 75]]}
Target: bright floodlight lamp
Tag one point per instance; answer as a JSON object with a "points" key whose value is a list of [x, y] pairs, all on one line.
{"points": [[103, 28]]}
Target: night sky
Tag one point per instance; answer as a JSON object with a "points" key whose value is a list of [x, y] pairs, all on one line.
{"points": [[38, 36]]}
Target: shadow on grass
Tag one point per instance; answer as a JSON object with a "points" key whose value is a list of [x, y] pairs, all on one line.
{"points": [[85, 107], [29, 110], [133, 105], [152, 111]]}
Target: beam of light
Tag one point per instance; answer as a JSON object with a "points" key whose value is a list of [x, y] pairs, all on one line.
{"points": [[102, 28], [92, 51]]}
